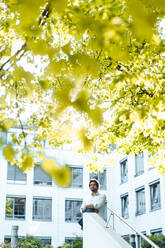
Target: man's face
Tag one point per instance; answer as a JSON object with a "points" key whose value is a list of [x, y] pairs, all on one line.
{"points": [[93, 187]]}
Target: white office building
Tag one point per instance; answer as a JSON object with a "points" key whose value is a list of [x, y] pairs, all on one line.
{"points": [[137, 193], [35, 203], [39, 207]]}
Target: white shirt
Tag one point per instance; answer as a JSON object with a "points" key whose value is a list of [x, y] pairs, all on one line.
{"points": [[97, 200]]}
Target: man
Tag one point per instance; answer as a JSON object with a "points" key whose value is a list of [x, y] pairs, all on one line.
{"points": [[94, 202]]}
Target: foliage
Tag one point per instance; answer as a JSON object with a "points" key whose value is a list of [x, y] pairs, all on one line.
{"points": [[29, 242], [89, 71], [64, 246], [78, 243], [5, 245], [48, 246], [158, 240]]}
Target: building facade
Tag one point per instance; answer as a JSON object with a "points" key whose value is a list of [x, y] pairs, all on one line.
{"points": [[137, 193], [37, 205]]}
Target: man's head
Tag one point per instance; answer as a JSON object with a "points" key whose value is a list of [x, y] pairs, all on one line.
{"points": [[94, 185]]}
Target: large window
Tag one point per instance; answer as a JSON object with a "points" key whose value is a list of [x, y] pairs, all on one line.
{"points": [[74, 242], [124, 206], [15, 175], [45, 240], [40, 177], [124, 170], [101, 177], [42, 209], [140, 201], [155, 195], [77, 177], [139, 164], [72, 210], [15, 207], [156, 232]]}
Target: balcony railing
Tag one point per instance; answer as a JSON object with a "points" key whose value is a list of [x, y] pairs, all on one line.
{"points": [[112, 216]]}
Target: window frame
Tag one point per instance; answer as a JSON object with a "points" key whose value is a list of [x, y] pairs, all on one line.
{"points": [[158, 206], [72, 239], [15, 217], [93, 175], [140, 239], [142, 188], [15, 180], [72, 168], [41, 183], [122, 171], [42, 238], [157, 231], [43, 198], [122, 210], [137, 171], [73, 219]]}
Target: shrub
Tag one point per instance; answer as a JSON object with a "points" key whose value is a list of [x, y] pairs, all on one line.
{"points": [[5, 245], [29, 242], [158, 240], [48, 246]]}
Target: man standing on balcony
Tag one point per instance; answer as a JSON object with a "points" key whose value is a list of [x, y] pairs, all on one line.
{"points": [[95, 202]]}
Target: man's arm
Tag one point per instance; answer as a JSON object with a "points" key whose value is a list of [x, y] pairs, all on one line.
{"points": [[83, 207], [100, 202], [92, 206]]}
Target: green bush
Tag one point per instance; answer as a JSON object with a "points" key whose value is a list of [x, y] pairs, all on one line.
{"points": [[65, 246], [158, 240], [5, 245], [48, 246], [77, 244], [29, 242]]}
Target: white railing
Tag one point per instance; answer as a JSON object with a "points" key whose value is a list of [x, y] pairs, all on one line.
{"points": [[113, 214]]}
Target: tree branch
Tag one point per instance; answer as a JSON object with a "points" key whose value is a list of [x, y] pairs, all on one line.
{"points": [[18, 114], [12, 57]]}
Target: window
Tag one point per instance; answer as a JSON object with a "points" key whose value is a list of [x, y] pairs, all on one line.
{"points": [[77, 177], [3, 137], [124, 206], [140, 240], [140, 201], [139, 164], [101, 177], [40, 177], [29, 138], [15, 175], [155, 195], [7, 239], [126, 238], [72, 210], [124, 171], [44, 240], [156, 232], [112, 147], [15, 207], [74, 242], [42, 209]]}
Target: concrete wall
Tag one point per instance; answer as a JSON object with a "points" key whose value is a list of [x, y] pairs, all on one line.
{"points": [[95, 234]]}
